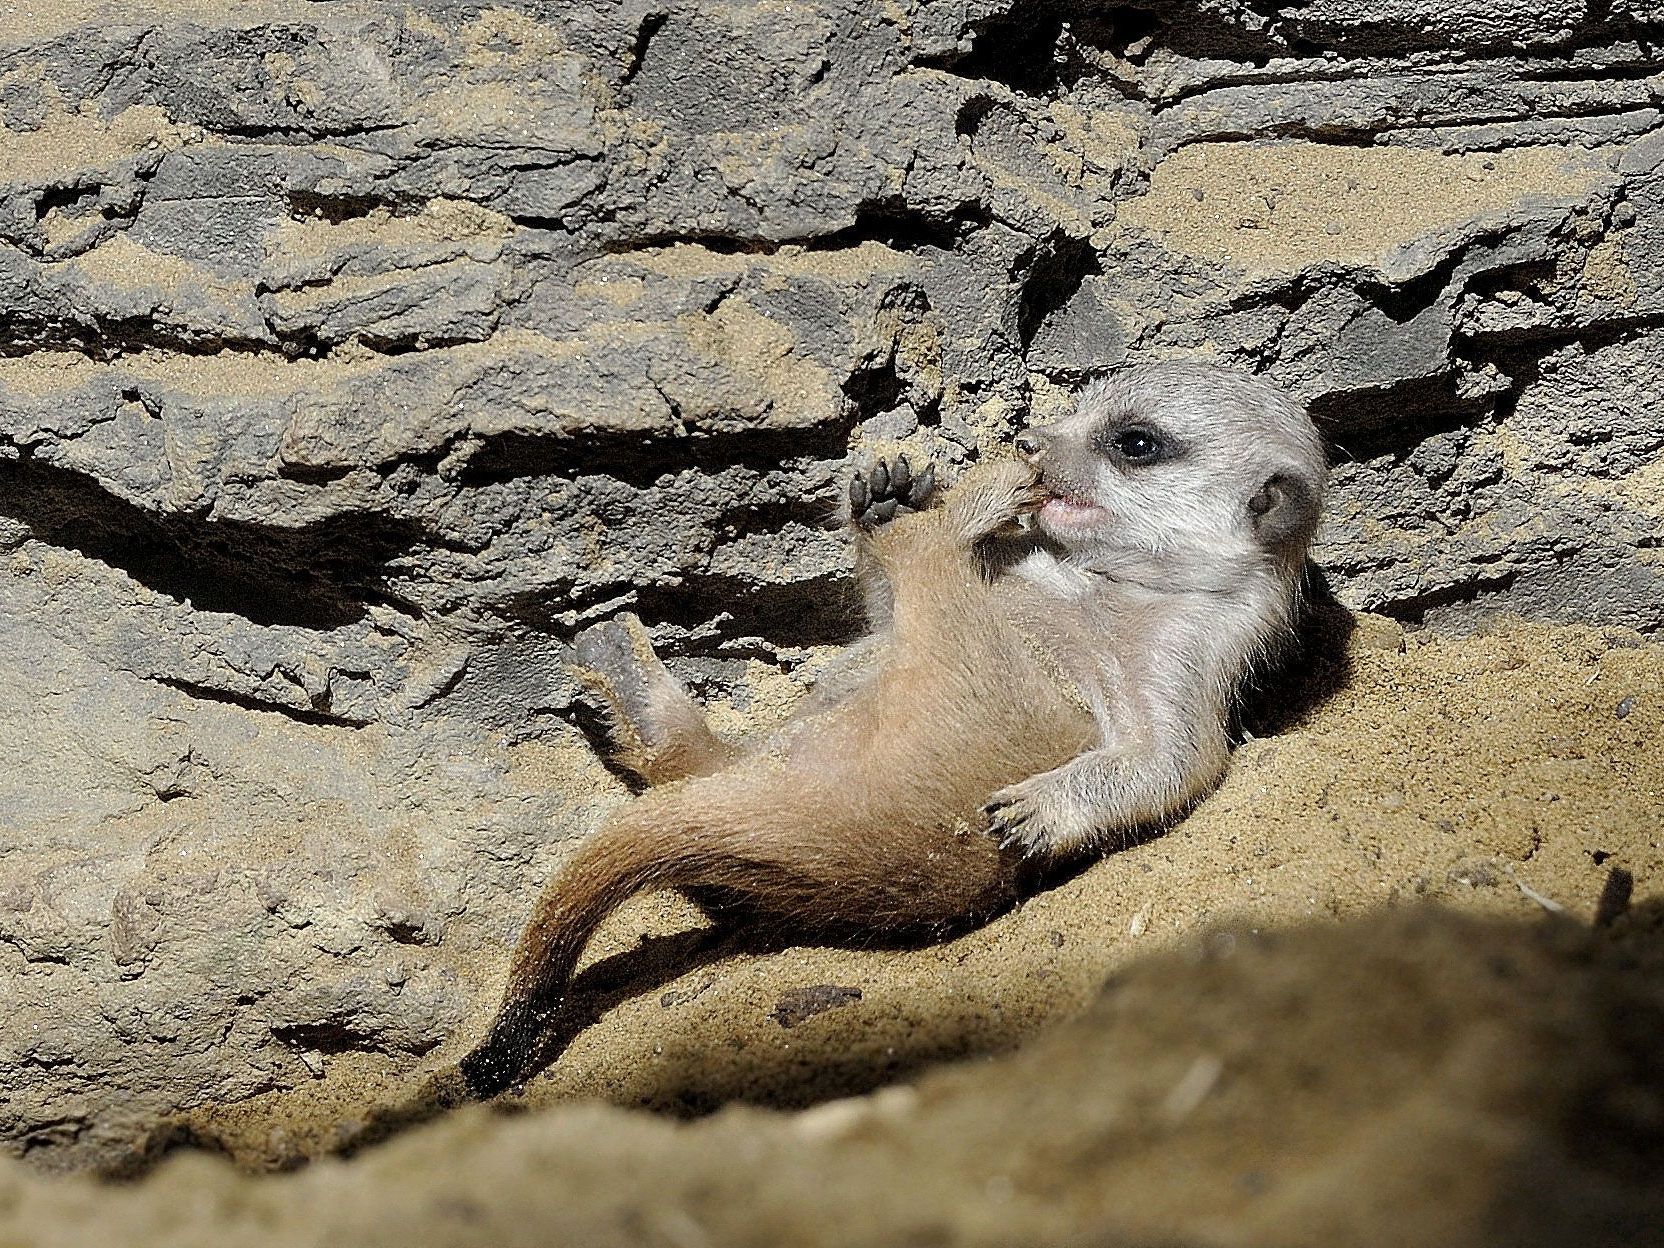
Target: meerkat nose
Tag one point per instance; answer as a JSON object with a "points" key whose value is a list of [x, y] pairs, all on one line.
{"points": [[1028, 444]]}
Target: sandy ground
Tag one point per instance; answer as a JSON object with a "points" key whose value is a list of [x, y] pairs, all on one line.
{"points": [[1255, 1072]]}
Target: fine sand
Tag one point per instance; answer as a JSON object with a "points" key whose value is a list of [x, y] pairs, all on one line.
{"points": [[1255, 1071]]}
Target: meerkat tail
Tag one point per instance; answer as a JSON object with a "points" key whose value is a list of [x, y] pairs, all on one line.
{"points": [[779, 848], [614, 865]]}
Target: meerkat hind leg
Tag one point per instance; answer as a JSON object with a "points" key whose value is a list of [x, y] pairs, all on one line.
{"points": [[658, 732]]}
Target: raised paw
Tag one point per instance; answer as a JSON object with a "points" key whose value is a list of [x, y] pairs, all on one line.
{"points": [[884, 489], [615, 658]]}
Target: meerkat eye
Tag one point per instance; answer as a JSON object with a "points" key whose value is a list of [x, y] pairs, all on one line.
{"points": [[1139, 446]]}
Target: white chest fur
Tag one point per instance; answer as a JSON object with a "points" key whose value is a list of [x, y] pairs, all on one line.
{"points": [[1053, 576]]}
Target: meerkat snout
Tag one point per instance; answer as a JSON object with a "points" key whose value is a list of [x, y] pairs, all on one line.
{"points": [[1029, 444]]}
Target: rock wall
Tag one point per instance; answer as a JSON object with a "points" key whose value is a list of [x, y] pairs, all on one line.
{"points": [[352, 357]]}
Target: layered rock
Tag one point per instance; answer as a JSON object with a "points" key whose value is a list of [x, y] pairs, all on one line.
{"points": [[351, 359]]}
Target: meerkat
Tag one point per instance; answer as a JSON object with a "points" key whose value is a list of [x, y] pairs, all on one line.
{"points": [[1055, 645]]}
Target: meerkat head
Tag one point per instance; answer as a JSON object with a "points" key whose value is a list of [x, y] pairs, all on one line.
{"points": [[1187, 470]]}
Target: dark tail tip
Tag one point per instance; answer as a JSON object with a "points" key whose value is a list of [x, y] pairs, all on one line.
{"points": [[505, 1056]]}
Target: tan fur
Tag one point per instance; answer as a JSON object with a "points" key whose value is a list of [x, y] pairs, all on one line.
{"points": [[867, 813], [1052, 689]]}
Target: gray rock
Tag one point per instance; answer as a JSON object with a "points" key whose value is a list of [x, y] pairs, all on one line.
{"points": [[351, 360]]}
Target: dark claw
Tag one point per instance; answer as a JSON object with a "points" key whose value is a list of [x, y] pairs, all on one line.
{"points": [[901, 476], [1003, 819], [859, 496], [880, 480], [923, 486]]}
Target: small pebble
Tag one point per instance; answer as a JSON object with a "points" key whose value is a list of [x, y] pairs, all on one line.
{"points": [[1625, 707], [797, 1005]]}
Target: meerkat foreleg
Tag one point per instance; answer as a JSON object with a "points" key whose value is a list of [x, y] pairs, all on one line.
{"points": [[657, 731], [1101, 793]]}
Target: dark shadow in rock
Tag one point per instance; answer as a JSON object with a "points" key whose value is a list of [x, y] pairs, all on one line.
{"points": [[1393, 420], [821, 612], [625, 456], [322, 576], [1041, 47], [1416, 608], [889, 220], [1055, 274]]}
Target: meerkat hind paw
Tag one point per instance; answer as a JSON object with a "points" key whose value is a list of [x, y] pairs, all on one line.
{"points": [[610, 643], [887, 489], [613, 651], [610, 656]]}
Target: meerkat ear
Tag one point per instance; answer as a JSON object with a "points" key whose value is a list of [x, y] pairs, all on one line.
{"points": [[1284, 511]]}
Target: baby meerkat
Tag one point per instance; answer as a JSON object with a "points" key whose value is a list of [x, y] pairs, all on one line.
{"points": [[1031, 688]]}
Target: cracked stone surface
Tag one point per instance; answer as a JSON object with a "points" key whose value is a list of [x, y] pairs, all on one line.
{"points": [[353, 357]]}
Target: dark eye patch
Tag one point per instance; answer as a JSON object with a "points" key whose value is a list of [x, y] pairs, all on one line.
{"points": [[1135, 446], [1139, 446]]}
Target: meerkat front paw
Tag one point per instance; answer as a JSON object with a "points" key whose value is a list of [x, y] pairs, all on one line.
{"points": [[1036, 817], [994, 494], [884, 489]]}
